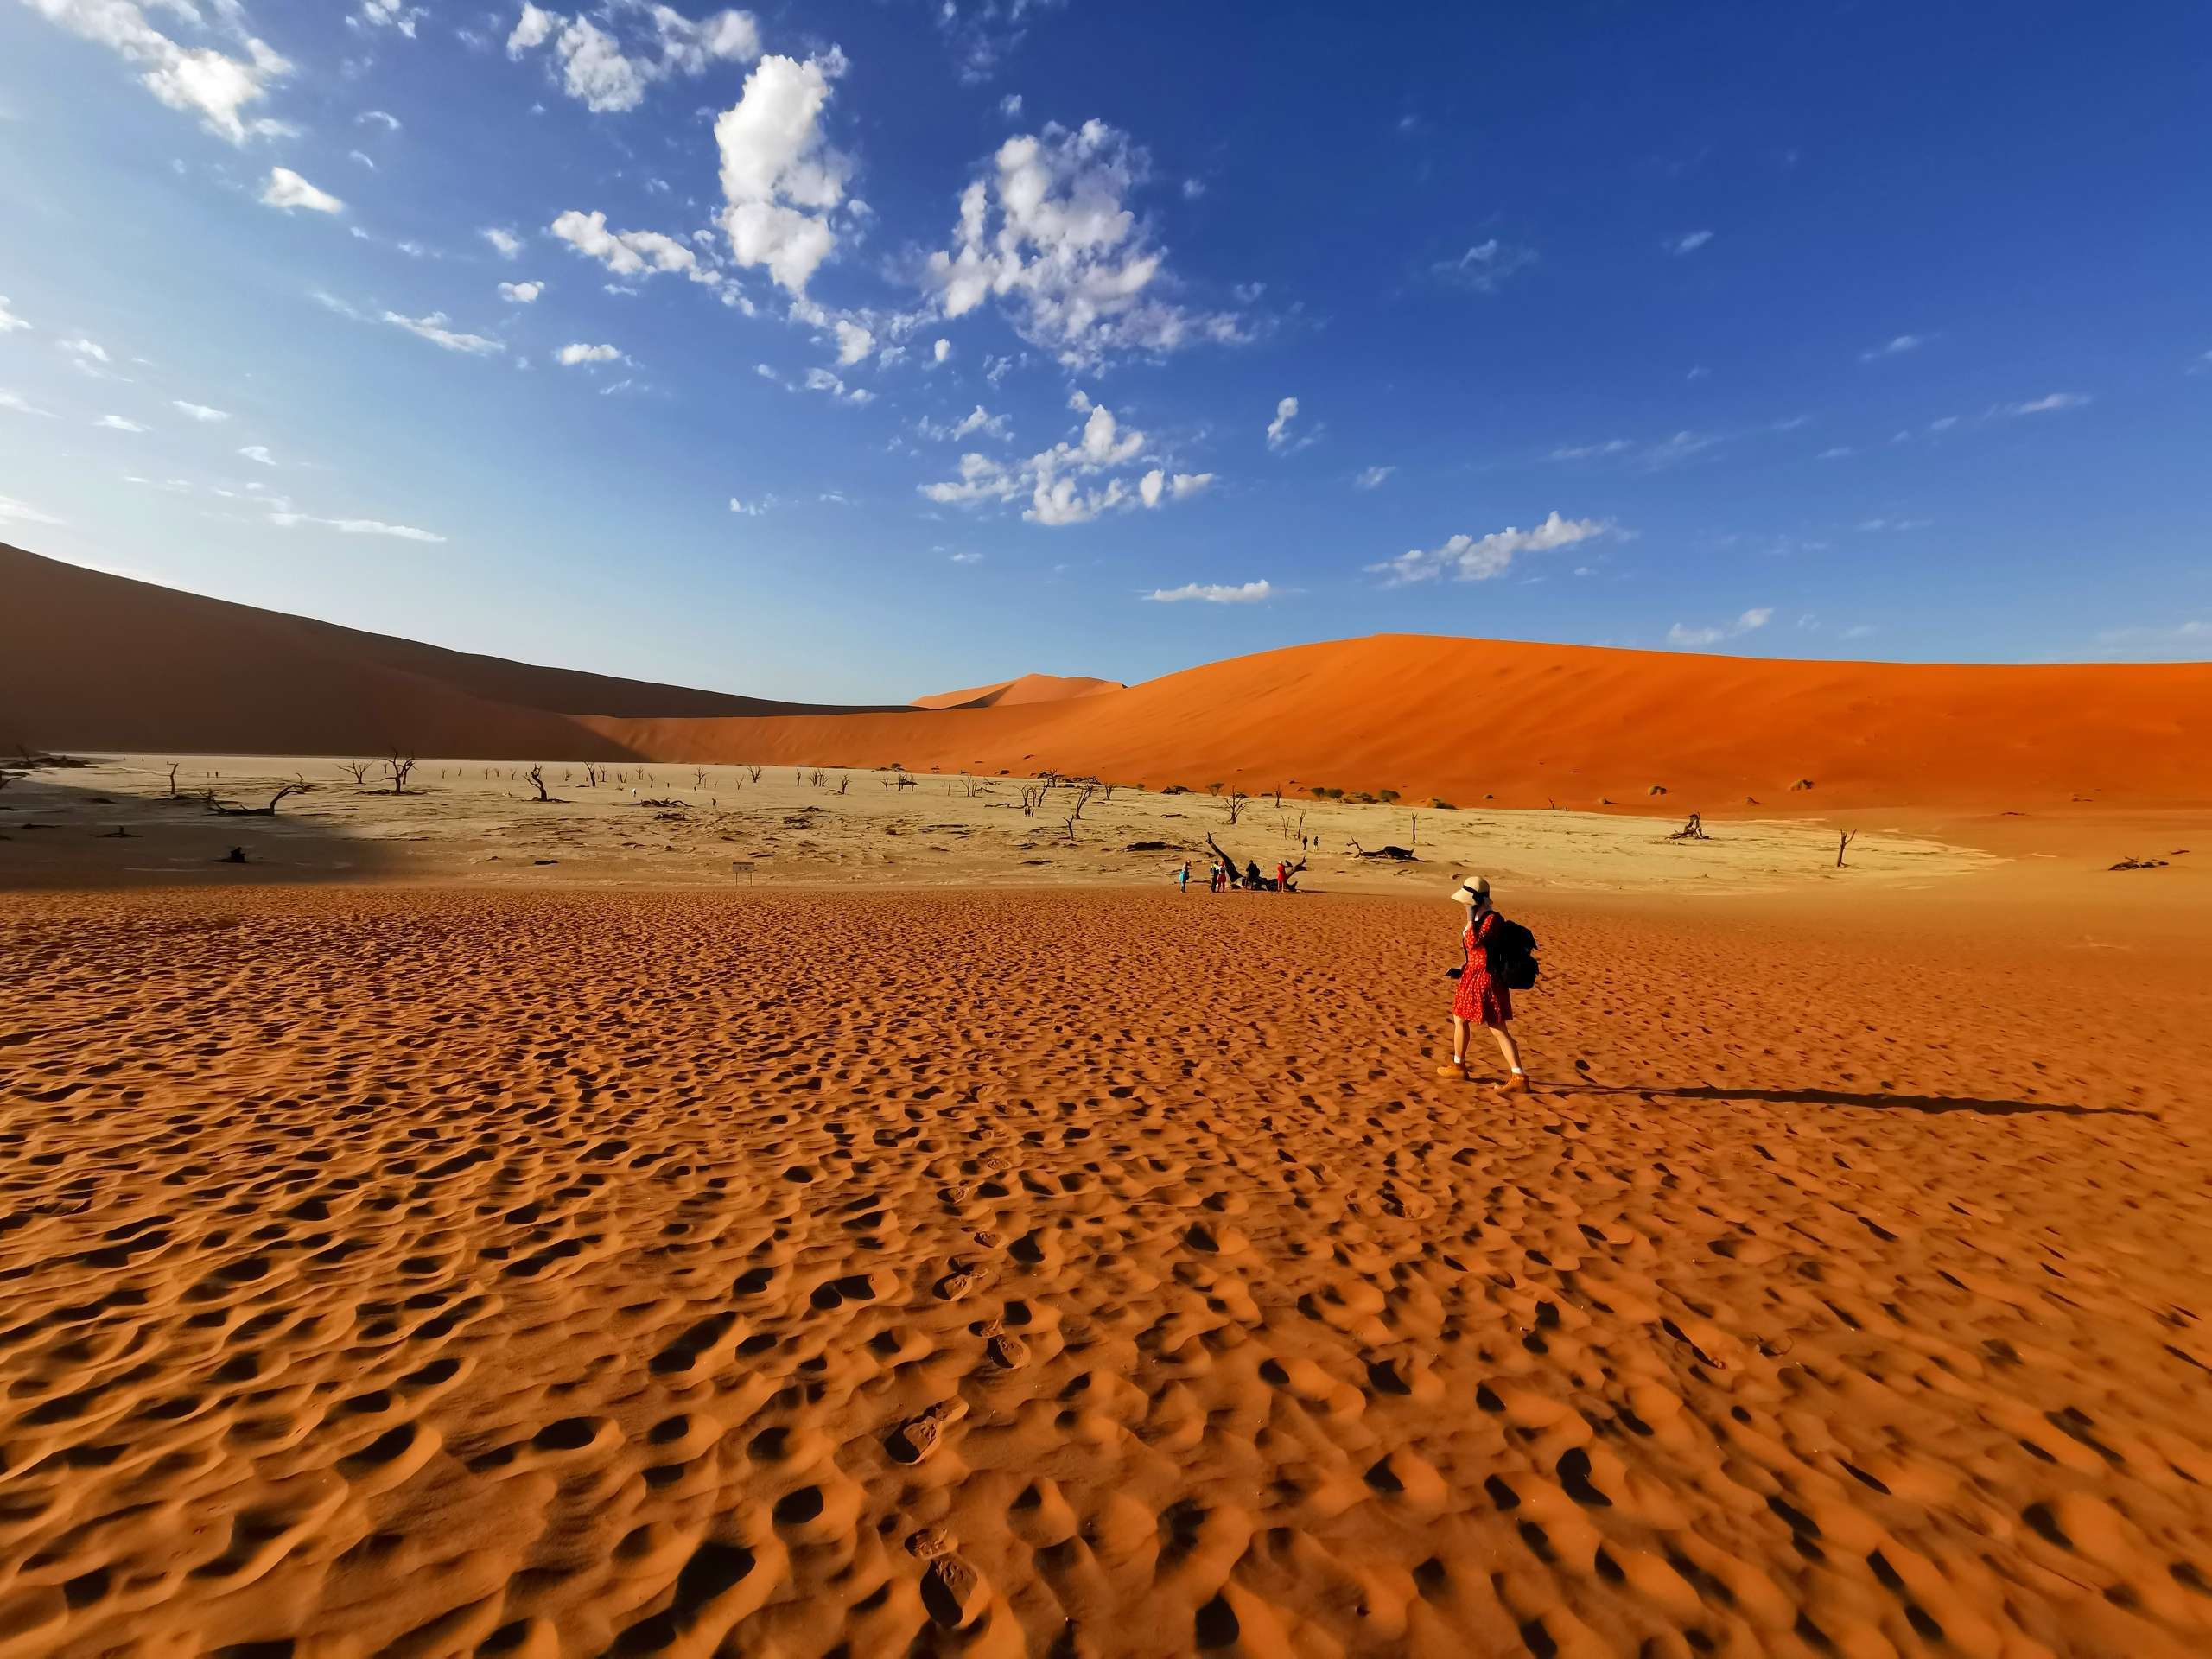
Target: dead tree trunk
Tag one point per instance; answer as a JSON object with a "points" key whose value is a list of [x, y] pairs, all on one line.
{"points": [[357, 770], [536, 775], [1844, 839]]}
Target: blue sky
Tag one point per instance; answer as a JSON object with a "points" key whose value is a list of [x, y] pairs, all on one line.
{"points": [[611, 337]]}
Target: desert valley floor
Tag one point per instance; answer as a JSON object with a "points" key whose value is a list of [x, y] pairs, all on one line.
{"points": [[442, 1268]]}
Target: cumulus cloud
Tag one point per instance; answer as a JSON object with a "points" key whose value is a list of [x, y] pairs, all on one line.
{"points": [[118, 423], [195, 80], [780, 179], [521, 293], [1749, 622], [432, 328], [2048, 405], [823, 380], [1373, 478], [570, 356], [10, 321], [1478, 558], [198, 411], [388, 14], [355, 526], [1279, 427], [626, 253], [1072, 482], [1047, 231], [508, 243], [1485, 266], [287, 190], [1213, 593], [943, 349], [609, 72], [258, 454], [751, 509], [854, 342], [1688, 242]]}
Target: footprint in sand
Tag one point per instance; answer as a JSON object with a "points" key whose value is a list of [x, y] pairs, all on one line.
{"points": [[917, 1437], [964, 1280]]}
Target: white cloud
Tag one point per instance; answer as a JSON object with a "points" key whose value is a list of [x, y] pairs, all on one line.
{"points": [[16, 401], [10, 321], [355, 526], [942, 350], [1879, 524], [118, 423], [823, 380], [355, 155], [198, 411], [1896, 347], [1838, 452], [570, 356], [1689, 243], [432, 328], [258, 453], [388, 14], [508, 243], [1754, 619], [977, 419], [967, 558], [607, 76], [1698, 372], [89, 350], [1068, 483], [779, 178], [1279, 427], [2047, 405], [1010, 107], [1485, 266], [1212, 594], [626, 253], [192, 79], [22, 512], [383, 119], [287, 189], [854, 342], [1478, 558], [1046, 230], [751, 509], [521, 293], [1373, 478]]}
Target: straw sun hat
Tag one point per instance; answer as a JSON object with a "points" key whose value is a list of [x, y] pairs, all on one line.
{"points": [[1471, 889]]}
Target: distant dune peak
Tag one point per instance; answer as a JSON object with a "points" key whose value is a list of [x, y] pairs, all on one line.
{"points": [[1028, 687]]}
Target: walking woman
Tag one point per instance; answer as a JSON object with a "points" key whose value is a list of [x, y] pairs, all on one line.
{"points": [[1483, 998]]}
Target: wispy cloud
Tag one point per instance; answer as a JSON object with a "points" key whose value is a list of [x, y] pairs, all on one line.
{"points": [[1479, 558], [1689, 242], [118, 423], [200, 412], [17, 402], [1693, 638], [22, 512], [355, 526], [1373, 478], [432, 328], [1486, 265], [10, 321], [287, 190], [2050, 403], [1897, 345], [1212, 593]]}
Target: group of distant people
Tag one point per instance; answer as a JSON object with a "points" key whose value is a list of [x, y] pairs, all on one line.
{"points": [[1222, 877]]}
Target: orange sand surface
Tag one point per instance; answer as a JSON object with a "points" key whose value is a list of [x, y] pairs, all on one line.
{"points": [[1094, 1273], [1028, 687]]}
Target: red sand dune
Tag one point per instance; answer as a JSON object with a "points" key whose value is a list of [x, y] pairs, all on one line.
{"points": [[100, 661], [1028, 687]]}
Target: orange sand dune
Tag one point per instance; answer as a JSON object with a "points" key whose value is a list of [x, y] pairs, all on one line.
{"points": [[1101, 1275], [1029, 688], [1471, 719], [102, 662], [98, 662]]}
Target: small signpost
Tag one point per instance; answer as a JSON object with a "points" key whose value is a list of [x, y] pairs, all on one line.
{"points": [[741, 867]]}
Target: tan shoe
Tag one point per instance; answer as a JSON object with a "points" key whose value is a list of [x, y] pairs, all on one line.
{"points": [[1458, 1072], [1515, 1084]]}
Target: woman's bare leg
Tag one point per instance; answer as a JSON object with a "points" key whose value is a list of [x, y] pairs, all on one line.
{"points": [[1459, 1049], [1507, 1047]]}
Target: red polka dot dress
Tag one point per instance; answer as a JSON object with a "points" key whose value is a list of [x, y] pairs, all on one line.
{"points": [[1481, 997]]}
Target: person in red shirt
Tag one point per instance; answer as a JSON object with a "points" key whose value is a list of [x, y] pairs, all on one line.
{"points": [[1483, 998]]}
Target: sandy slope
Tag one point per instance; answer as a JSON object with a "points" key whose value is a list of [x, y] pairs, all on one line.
{"points": [[95, 660], [1028, 687], [1090, 1273], [98, 662]]}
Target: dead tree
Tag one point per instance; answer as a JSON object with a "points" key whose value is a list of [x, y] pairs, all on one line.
{"points": [[844, 783], [8, 778], [1033, 797], [173, 764], [1082, 799], [1844, 838], [1235, 805], [399, 765], [698, 777], [591, 774], [1402, 855], [536, 775], [1229, 859], [753, 772], [357, 770], [1694, 831]]}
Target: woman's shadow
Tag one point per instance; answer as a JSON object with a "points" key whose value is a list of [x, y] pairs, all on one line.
{"points": [[1881, 1103]]}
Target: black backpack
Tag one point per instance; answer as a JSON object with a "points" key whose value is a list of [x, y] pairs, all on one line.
{"points": [[1512, 950]]}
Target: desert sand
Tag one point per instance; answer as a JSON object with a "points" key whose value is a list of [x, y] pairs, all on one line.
{"points": [[1023, 688], [432, 1270]]}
